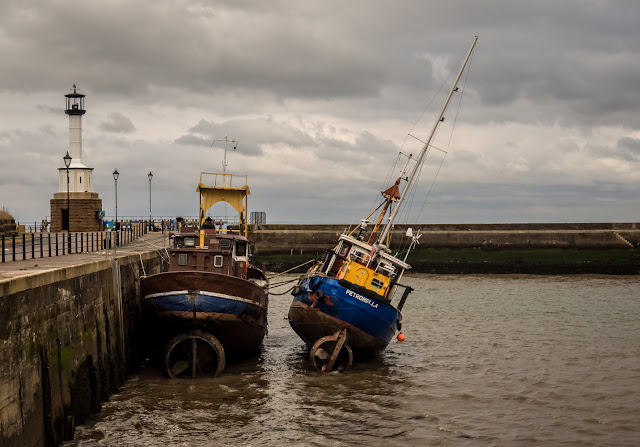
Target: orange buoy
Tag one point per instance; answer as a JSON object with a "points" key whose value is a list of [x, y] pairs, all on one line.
{"points": [[401, 336]]}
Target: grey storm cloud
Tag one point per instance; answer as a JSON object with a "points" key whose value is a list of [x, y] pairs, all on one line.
{"points": [[117, 123], [630, 148], [320, 96]]}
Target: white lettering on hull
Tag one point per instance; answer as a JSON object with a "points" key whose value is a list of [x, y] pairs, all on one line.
{"points": [[364, 299]]}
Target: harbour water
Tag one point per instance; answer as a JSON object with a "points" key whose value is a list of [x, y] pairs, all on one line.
{"points": [[487, 361]]}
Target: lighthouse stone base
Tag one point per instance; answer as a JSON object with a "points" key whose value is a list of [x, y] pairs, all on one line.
{"points": [[85, 211]]}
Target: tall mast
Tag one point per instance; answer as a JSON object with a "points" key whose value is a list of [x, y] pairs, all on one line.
{"points": [[424, 150]]}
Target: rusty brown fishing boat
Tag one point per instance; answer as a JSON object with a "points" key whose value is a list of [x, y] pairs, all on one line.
{"points": [[211, 303]]}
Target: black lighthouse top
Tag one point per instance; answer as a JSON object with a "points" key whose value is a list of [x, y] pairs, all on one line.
{"points": [[75, 103]]}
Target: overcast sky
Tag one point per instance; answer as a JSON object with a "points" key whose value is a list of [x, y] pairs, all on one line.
{"points": [[321, 97]]}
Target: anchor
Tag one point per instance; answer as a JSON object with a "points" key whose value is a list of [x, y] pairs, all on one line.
{"points": [[332, 352]]}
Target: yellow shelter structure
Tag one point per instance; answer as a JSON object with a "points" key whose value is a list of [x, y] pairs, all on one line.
{"points": [[229, 188]]}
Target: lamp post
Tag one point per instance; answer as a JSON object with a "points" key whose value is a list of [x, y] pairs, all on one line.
{"points": [[115, 225], [150, 176], [67, 162]]}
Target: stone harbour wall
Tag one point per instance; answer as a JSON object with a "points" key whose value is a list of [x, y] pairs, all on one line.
{"points": [[68, 341], [298, 239]]}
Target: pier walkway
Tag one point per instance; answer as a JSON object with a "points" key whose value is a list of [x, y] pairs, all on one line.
{"points": [[147, 242]]}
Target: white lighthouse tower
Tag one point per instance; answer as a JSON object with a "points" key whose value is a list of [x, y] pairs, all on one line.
{"points": [[78, 207], [80, 176]]}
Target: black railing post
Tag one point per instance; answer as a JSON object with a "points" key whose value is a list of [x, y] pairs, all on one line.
{"points": [[49, 239], [24, 246], [3, 248], [41, 255], [33, 245], [13, 247], [76, 243]]}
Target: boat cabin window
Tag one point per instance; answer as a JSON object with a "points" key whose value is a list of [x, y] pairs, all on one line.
{"points": [[344, 249], [241, 248], [376, 283], [387, 270], [182, 259], [358, 256], [189, 242], [217, 260], [225, 243]]}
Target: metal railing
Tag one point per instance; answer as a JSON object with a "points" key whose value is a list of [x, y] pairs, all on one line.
{"points": [[40, 245]]}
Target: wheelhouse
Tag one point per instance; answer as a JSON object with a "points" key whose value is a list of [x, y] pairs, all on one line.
{"points": [[220, 253], [368, 266]]}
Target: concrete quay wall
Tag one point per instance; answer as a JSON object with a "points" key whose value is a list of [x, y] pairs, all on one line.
{"points": [[68, 338], [272, 239]]}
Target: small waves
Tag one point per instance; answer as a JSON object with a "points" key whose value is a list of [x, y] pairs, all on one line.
{"points": [[488, 360]]}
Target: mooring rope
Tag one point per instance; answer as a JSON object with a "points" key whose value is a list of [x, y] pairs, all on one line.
{"points": [[287, 271], [283, 293]]}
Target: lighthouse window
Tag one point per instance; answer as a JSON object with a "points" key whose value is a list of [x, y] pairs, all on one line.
{"points": [[81, 180]]}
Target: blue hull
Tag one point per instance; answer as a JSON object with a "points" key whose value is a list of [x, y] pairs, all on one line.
{"points": [[200, 302], [231, 309], [371, 323]]}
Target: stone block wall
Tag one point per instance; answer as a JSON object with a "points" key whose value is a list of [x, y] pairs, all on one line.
{"points": [[67, 340], [83, 216], [296, 239]]}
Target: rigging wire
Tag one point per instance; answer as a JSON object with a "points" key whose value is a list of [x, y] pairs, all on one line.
{"points": [[455, 120], [405, 214]]}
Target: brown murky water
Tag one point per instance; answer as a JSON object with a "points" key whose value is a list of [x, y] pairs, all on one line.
{"points": [[488, 360]]}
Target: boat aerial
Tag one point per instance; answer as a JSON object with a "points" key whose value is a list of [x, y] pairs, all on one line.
{"points": [[211, 303], [345, 303]]}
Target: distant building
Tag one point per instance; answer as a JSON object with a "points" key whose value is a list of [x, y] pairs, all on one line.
{"points": [[75, 207]]}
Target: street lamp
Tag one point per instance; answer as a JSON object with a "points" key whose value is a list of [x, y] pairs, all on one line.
{"points": [[115, 177], [67, 162], [150, 176]]}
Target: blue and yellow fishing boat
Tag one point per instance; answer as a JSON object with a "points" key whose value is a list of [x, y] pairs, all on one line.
{"points": [[346, 303]]}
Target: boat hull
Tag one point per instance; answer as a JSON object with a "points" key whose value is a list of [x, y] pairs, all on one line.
{"points": [[234, 310], [324, 306]]}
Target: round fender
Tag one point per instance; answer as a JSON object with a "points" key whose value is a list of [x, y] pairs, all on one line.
{"points": [[314, 286]]}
